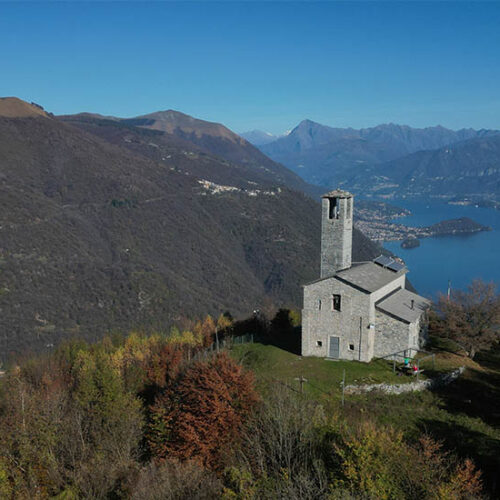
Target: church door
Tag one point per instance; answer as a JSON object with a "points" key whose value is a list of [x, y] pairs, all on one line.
{"points": [[334, 347]]}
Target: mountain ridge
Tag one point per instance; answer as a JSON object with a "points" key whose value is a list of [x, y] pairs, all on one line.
{"points": [[470, 167], [100, 234], [327, 156], [13, 107]]}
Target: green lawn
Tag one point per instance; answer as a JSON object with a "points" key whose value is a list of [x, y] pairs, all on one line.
{"points": [[323, 376]]}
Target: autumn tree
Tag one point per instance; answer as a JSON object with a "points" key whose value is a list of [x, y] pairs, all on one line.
{"points": [[377, 462], [161, 369], [103, 426], [224, 325], [470, 318], [202, 413]]}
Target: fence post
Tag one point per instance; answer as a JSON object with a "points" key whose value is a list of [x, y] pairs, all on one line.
{"points": [[343, 386]]}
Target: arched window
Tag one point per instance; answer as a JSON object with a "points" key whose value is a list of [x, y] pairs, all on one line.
{"points": [[335, 302], [333, 208]]}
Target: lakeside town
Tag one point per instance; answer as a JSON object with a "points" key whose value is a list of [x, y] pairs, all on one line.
{"points": [[375, 220]]}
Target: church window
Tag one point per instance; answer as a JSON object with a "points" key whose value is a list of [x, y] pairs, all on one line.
{"points": [[336, 303], [351, 347], [319, 343], [333, 208], [319, 305]]}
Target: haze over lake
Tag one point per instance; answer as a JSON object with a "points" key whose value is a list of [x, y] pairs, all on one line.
{"points": [[456, 258]]}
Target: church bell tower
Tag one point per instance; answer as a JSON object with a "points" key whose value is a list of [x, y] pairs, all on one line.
{"points": [[336, 232]]}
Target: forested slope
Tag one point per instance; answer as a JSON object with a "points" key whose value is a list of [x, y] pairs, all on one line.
{"points": [[96, 235]]}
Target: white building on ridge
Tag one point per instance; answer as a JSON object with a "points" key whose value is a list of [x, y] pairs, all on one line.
{"points": [[357, 311]]}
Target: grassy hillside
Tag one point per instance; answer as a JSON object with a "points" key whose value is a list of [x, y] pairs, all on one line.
{"points": [[464, 416], [145, 417]]}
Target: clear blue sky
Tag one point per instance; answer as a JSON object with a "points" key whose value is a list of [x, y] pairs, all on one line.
{"points": [[259, 65]]}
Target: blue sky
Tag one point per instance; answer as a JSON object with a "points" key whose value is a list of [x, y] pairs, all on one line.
{"points": [[259, 65]]}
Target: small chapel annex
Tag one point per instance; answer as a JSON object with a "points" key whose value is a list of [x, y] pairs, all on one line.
{"points": [[357, 310]]}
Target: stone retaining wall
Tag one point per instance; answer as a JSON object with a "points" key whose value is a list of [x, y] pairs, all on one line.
{"points": [[421, 385]]}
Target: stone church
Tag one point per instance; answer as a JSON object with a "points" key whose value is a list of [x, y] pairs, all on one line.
{"points": [[357, 310]]}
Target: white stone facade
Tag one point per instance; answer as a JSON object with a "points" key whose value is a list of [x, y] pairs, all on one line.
{"points": [[350, 324], [340, 317]]}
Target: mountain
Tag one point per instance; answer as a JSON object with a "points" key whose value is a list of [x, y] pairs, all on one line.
{"points": [[99, 232], [216, 139], [327, 156], [180, 154], [259, 138], [470, 167], [12, 107]]}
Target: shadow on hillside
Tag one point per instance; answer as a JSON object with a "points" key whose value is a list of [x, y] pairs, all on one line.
{"points": [[280, 332], [289, 340], [469, 443], [475, 394]]}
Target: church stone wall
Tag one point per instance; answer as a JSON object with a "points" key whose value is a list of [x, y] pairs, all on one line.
{"points": [[391, 335], [418, 332], [350, 324]]}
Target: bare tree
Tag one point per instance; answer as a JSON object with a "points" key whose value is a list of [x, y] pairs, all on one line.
{"points": [[470, 318], [281, 444]]}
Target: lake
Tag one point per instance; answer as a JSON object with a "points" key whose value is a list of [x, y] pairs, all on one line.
{"points": [[456, 258]]}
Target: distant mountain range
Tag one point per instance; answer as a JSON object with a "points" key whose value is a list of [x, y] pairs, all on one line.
{"points": [[375, 158], [466, 168], [112, 224], [259, 138]]}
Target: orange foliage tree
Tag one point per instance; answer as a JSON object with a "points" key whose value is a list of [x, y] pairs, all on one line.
{"points": [[163, 367], [202, 412]]}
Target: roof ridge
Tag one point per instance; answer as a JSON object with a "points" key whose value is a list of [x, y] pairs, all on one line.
{"points": [[392, 292]]}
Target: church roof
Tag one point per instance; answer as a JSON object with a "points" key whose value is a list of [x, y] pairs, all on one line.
{"points": [[399, 304], [366, 276], [369, 276], [337, 193]]}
